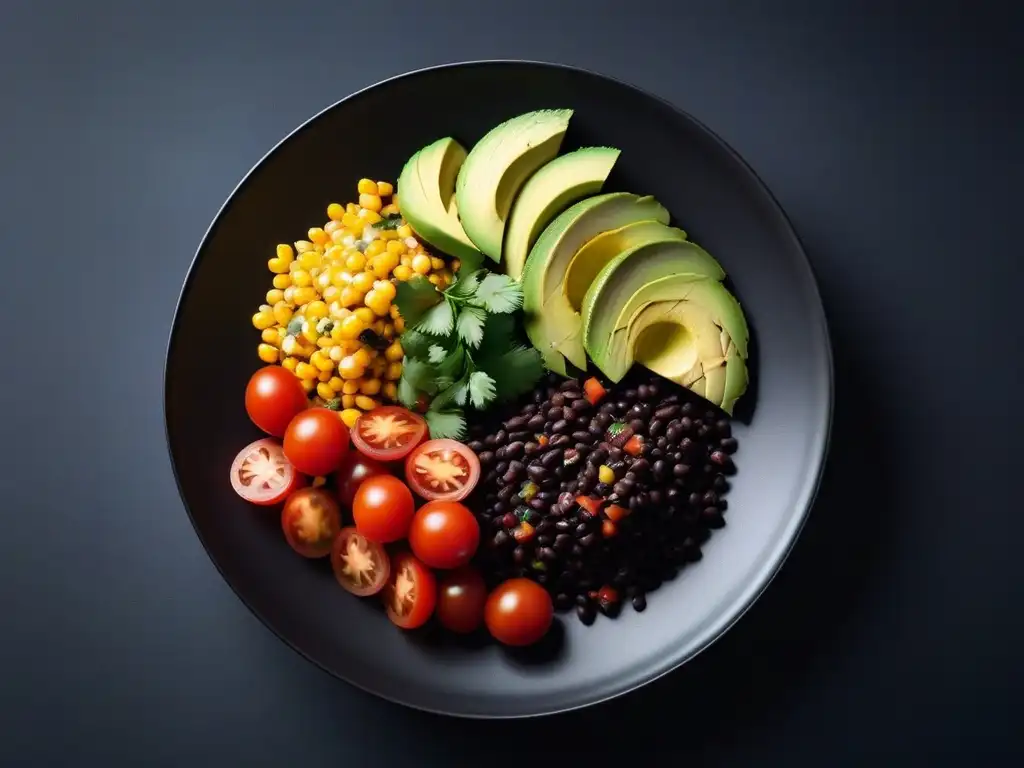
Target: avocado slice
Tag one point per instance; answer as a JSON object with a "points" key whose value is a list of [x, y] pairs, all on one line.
{"points": [[426, 188], [549, 317], [498, 166], [547, 193]]}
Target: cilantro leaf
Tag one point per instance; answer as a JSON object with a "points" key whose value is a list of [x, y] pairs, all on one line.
{"points": [[499, 294], [436, 353], [460, 392], [393, 221], [419, 374], [451, 366], [414, 298], [407, 394], [416, 343], [438, 320], [470, 325], [466, 285], [446, 424], [497, 335], [451, 393], [470, 262], [481, 389], [514, 372]]}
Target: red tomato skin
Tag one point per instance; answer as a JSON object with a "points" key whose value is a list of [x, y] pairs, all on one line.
{"points": [[383, 509], [291, 515], [519, 612], [461, 598], [353, 471], [364, 446], [297, 480], [444, 534], [316, 441], [421, 490], [426, 588], [273, 397]]}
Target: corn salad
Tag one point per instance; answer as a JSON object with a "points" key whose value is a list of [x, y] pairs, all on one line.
{"points": [[331, 288]]}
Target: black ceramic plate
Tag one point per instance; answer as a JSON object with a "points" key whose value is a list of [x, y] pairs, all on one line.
{"points": [[711, 193]]}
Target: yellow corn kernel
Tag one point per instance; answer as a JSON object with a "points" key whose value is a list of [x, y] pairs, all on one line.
{"points": [[263, 320], [389, 210], [269, 336], [350, 387], [368, 216], [352, 326], [316, 310], [370, 386], [352, 221], [301, 278], [339, 236], [348, 401], [378, 326], [606, 474], [365, 314], [336, 383], [396, 247], [282, 281], [366, 187], [384, 188], [335, 211], [283, 312], [326, 343], [402, 272], [289, 345], [324, 390], [436, 263], [456, 264], [355, 261], [334, 255], [366, 403], [289, 363], [390, 390], [306, 371], [371, 202], [387, 289], [393, 312], [350, 416], [362, 356], [284, 252], [393, 372], [308, 384], [421, 264], [309, 333], [406, 261], [388, 234], [435, 280], [389, 331], [349, 368], [351, 208], [310, 259], [339, 277], [274, 295], [277, 266], [331, 294], [331, 227], [267, 353], [350, 296], [363, 282], [394, 353], [399, 325], [336, 353], [324, 376], [404, 231], [321, 361], [379, 304], [301, 246], [378, 367], [375, 247], [317, 235], [305, 295]]}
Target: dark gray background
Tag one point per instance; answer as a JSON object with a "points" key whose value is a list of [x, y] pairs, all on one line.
{"points": [[891, 138]]}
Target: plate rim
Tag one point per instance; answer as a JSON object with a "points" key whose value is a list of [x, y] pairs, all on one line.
{"points": [[808, 494]]}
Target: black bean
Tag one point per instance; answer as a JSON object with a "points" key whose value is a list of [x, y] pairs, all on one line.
{"points": [[603, 419], [515, 423], [539, 397], [721, 459], [561, 427], [703, 431], [661, 443], [694, 499], [538, 504], [585, 438], [501, 468], [559, 440], [624, 488], [537, 472], [572, 394], [639, 602], [602, 489], [475, 446], [720, 484], [542, 578], [536, 423], [596, 430], [587, 485], [673, 495], [729, 444], [586, 614], [501, 538], [615, 455], [520, 437], [563, 541], [622, 406], [723, 428], [599, 455], [566, 501], [589, 540], [643, 392], [519, 554], [666, 412], [637, 426], [672, 435], [607, 408], [686, 408], [490, 440], [506, 492], [562, 602], [581, 406], [500, 437], [631, 395], [552, 458], [687, 445], [656, 427], [563, 526], [486, 458], [659, 469], [547, 554], [639, 468], [554, 414], [680, 470], [544, 540], [610, 609], [568, 385], [582, 530], [548, 496], [576, 551], [557, 400], [531, 449]]}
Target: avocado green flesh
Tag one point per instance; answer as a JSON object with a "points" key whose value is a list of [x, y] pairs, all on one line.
{"points": [[594, 255], [551, 322], [498, 166], [426, 187], [547, 193]]}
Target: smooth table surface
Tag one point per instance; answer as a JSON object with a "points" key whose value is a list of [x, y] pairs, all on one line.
{"points": [[892, 140]]}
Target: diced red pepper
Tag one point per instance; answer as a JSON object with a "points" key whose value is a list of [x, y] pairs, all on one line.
{"points": [[608, 594], [609, 529], [542, 440], [524, 532], [616, 513], [590, 503], [593, 390], [634, 446]]}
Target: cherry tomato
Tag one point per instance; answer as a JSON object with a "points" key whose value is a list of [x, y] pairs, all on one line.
{"points": [[261, 474], [444, 534], [411, 592], [518, 612], [361, 566], [273, 397], [354, 469], [388, 433], [442, 470], [316, 441], [311, 521], [460, 601], [383, 508]]}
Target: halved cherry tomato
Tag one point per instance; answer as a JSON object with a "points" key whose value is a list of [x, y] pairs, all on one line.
{"points": [[311, 521], [518, 612], [262, 475], [361, 566], [444, 534], [593, 390], [273, 397], [442, 470], [383, 508], [354, 469], [388, 433], [590, 503], [316, 441], [411, 592], [461, 599]]}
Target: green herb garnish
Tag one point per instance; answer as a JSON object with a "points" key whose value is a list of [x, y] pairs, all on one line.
{"points": [[392, 221]]}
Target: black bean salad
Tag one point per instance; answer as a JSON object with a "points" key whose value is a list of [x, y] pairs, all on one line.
{"points": [[600, 495]]}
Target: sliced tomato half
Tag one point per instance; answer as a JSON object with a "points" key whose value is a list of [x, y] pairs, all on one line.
{"points": [[361, 566], [442, 470], [388, 433], [411, 594], [262, 475]]}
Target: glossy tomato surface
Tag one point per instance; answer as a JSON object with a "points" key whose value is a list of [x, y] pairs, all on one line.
{"points": [[273, 397], [411, 592], [519, 612], [461, 597], [316, 441], [444, 534], [354, 469], [361, 566], [383, 508], [444, 470], [262, 475], [388, 433], [311, 521]]}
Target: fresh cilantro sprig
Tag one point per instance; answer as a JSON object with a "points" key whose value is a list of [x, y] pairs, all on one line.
{"points": [[459, 347]]}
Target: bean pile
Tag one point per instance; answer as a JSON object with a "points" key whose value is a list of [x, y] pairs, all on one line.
{"points": [[601, 503]]}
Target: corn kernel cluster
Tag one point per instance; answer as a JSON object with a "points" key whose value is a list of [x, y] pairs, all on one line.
{"points": [[331, 288]]}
